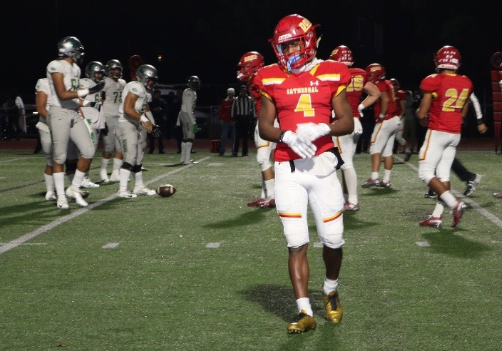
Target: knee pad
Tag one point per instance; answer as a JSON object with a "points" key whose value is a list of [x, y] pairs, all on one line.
{"points": [[88, 152], [425, 175], [136, 168], [347, 166], [264, 165], [127, 166], [61, 158], [48, 159]]}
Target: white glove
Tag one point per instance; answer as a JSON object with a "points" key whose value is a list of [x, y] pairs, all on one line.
{"points": [[304, 148], [312, 131], [360, 108], [358, 128]]}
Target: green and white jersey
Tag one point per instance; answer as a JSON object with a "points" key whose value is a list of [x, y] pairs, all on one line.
{"points": [[139, 90], [71, 79], [43, 86], [113, 96], [86, 83]]}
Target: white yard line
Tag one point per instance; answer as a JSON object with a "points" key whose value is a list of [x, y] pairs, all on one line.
{"points": [[16, 159], [494, 219], [21, 240]]}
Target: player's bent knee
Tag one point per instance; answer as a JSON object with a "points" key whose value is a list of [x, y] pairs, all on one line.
{"points": [[61, 158], [425, 176], [264, 165], [88, 152], [346, 166]]}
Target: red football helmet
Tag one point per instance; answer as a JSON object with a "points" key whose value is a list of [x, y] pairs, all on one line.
{"points": [[395, 83], [291, 28], [375, 72], [342, 54], [447, 58], [249, 63]]}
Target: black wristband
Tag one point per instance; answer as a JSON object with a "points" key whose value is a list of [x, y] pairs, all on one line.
{"points": [[480, 121], [282, 136]]}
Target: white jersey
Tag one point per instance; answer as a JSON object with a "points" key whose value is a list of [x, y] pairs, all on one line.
{"points": [[113, 96], [43, 86], [188, 101], [71, 80], [87, 83], [144, 98]]}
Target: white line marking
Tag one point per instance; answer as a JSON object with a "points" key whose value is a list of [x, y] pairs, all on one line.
{"points": [[29, 244], [213, 245], [423, 244], [110, 246], [15, 159], [21, 240], [494, 219]]}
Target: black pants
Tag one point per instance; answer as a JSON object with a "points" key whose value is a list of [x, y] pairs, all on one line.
{"points": [[243, 127], [462, 173]]}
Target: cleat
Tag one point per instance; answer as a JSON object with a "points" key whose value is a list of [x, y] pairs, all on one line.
{"points": [[457, 213], [431, 222], [498, 195], [257, 202], [430, 194], [76, 194], [385, 184], [50, 196], [62, 203], [350, 207], [268, 203], [126, 194], [115, 177], [333, 309], [407, 155], [103, 174], [85, 194], [143, 169], [371, 182], [86, 183], [303, 323], [143, 190], [471, 185]]}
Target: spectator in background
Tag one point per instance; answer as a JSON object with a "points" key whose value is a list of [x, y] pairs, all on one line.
{"points": [[175, 109], [158, 106], [410, 126], [16, 118], [243, 114], [225, 116]]}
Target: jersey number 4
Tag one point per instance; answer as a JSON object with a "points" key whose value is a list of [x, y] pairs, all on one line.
{"points": [[305, 105], [455, 100]]}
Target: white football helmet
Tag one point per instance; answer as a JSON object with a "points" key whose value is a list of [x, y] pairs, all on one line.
{"points": [[72, 48], [146, 72], [94, 67], [111, 65]]}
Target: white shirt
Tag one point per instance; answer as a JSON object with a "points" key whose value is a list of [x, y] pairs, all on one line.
{"points": [[43, 86], [188, 101], [144, 98], [71, 81], [113, 95]]}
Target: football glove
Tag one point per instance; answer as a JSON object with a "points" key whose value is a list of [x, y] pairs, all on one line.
{"points": [[312, 131], [304, 148], [156, 132], [97, 88], [195, 128]]}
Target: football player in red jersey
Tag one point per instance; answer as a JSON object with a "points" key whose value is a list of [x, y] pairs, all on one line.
{"points": [[347, 143], [301, 91], [387, 124], [444, 105], [249, 64]]}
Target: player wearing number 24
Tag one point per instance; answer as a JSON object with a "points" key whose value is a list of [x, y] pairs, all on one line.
{"points": [[301, 91], [444, 105]]}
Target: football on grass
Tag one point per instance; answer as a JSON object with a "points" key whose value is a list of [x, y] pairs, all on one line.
{"points": [[166, 190]]}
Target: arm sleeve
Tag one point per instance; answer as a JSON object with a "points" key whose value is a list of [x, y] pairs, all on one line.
{"points": [[477, 107]]}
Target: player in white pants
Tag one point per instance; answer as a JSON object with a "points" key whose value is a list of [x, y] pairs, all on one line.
{"points": [[186, 118]]}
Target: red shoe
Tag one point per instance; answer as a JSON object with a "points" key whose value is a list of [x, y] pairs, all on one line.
{"points": [[371, 182], [350, 207], [499, 195], [268, 203], [457, 213], [256, 203], [385, 184], [431, 222]]}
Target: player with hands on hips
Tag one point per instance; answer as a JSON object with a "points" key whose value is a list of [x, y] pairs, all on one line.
{"points": [[132, 117], [347, 144], [444, 103], [301, 91]]}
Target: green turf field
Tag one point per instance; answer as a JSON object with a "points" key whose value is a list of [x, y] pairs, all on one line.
{"points": [[202, 271]]}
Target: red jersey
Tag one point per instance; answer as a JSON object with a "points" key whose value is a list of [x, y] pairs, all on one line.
{"points": [[255, 93], [400, 96], [225, 110], [386, 85], [303, 98], [450, 93], [358, 78]]}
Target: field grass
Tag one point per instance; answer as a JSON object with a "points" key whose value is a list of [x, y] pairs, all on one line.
{"points": [[202, 271]]}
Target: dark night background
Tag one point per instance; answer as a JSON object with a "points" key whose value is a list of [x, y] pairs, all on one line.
{"points": [[207, 38]]}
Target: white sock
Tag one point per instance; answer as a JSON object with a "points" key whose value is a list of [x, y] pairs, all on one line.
{"points": [[438, 210], [188, 151], [374, 175], [77, 179], [449, 199], [329, 285], [138, 179], [49, 182], [59, 183], [351, 182], [183, 152], [104, 163], [269, 186], [303, 303], [116, 165], [386, 176], [124, 178]]}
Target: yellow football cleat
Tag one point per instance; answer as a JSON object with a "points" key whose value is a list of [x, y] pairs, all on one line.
{"points": [[334, 311], [302, 323]]}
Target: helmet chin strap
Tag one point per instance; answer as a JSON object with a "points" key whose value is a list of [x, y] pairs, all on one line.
{"points": [[292, 59]]}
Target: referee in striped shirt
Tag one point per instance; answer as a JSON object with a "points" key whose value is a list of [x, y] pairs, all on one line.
{"points": [[243, 114]]}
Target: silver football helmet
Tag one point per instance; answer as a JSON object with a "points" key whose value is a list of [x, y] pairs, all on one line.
{"points": [[71, 47], [193, 82], [113, 64], [94, 67], [146, 72]]}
